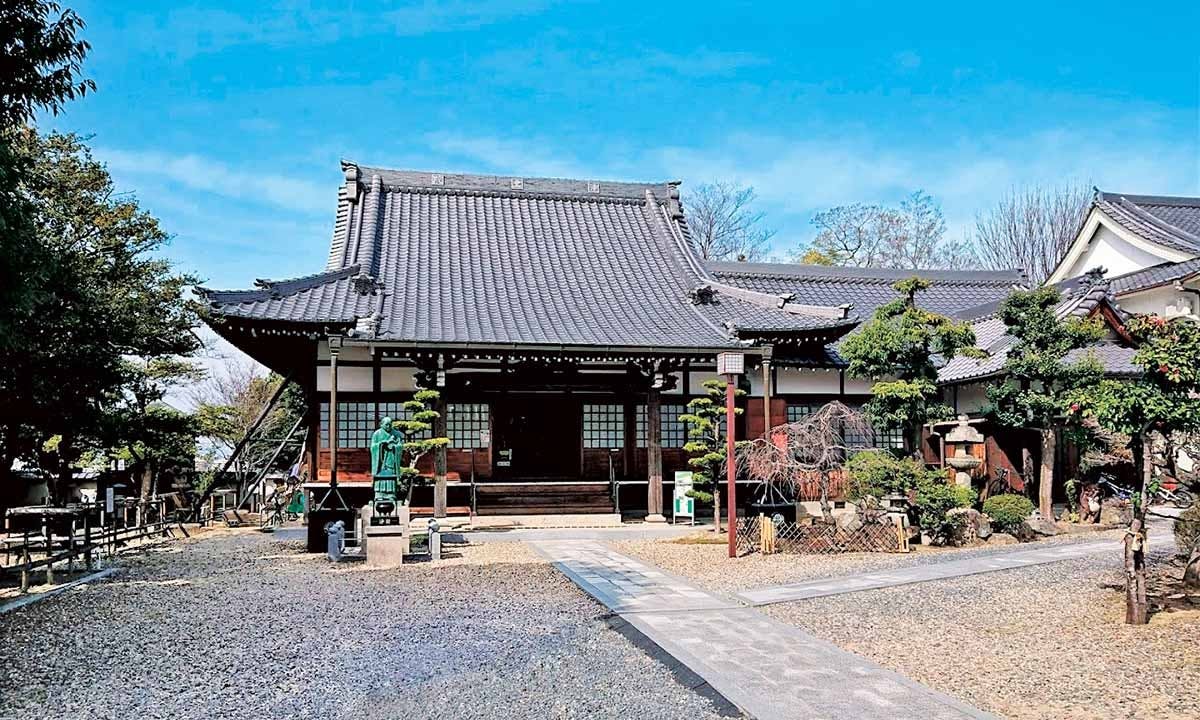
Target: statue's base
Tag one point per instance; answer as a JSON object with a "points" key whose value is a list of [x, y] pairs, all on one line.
{"points": [[385, 544]]}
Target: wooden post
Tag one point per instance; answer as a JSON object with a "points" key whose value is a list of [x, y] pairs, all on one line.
{"points": [[333, 417], [87, 541], [766, 393], [654, 471], [730, 469], [439, 458]]}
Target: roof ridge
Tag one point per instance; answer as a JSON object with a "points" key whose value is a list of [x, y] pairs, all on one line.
{"points": [[287, 286], [509, 185], [1132, 207], [875, 275], [1176, 200]]}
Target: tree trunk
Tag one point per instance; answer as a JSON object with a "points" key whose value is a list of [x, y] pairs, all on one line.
{"points": [[826, 509], [1191, 571], [1026, 467], [146, 486], [1046, 478], [1137, 610], [716, 508]]}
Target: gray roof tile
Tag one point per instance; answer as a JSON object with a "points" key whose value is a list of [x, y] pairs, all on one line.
{"points": [[1173, 222], [865, 289], [483, 259]]}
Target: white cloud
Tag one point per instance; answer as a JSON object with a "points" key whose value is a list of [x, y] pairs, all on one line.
{"points": [[908, 60], [198, 173]]}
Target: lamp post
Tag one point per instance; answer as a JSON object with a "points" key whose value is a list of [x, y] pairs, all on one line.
{"points": [[730, 365]]}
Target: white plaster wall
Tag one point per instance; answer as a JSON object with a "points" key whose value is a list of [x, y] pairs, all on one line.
{"points": [[797, 381], [972, 398], [349, 352], [350, 379], [696, 381], [1165, 301], [858, 386], [1117, 256], [397, 379]]}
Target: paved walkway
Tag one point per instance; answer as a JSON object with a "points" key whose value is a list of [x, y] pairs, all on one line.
{"points": [[1005, 560], [767, 668]]}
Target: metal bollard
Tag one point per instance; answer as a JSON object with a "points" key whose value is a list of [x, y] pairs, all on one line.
{"points": [[435, 541], [337, 540]]}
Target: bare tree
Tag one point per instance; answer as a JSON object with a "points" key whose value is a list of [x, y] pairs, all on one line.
{"points": [[813, 447], [723, 224], [910, 235], [1030, 228]]}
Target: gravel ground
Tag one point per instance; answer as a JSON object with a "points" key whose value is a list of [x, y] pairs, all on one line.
{"points": [[238, 625], [709, 566], [1042, 642]]}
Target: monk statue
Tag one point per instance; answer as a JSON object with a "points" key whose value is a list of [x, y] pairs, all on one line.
{"points": [[387, 448]]}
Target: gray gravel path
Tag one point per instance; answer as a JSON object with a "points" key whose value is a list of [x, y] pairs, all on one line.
{"points": [[244, 626], [1046, 641]]}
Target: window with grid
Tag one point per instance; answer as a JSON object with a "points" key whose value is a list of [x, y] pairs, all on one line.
{"points": [[356, 422], [464, 424], [396, 411], [797, 412], [672, 430], [603, 426]]}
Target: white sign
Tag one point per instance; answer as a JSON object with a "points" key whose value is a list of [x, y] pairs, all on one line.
{"points": [[684, 505], [108, 500]]}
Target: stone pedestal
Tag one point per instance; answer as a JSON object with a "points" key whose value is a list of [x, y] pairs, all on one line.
{"points": [[385, 546]]}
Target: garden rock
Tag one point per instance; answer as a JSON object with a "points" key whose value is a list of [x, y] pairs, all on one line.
{"points": [[1035, 526], [984, 530], [967, 528], [1115, 512], [1002, 539], [849, 522]]}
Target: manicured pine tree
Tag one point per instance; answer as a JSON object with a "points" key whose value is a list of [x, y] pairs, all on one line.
{"points": [[706, 446]]}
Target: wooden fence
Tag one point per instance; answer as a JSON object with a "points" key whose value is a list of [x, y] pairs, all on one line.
{"points": [[39, 538]]}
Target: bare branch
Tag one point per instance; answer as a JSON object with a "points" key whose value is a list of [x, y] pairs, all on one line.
{"points": [[722, 224], [1031, 228]]}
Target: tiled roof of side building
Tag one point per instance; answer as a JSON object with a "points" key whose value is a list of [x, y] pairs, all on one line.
{"points": [[1173, 222], [445, 258], [865, 289]]}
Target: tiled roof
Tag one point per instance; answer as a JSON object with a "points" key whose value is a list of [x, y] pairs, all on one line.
{"points": [[443, 258], [1144, 279], [991, 335], [1173, 222], [865, 289]]}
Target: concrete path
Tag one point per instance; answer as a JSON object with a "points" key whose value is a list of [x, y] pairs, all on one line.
{"points": [[767, 668], [929, 571]]}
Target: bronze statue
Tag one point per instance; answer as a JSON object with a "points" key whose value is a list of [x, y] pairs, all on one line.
{"points": [[387, 449]]}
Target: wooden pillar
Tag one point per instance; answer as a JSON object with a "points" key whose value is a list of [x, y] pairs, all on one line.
{"points": [[654, 471], [439, 458], [333, 417], [766, 381]]}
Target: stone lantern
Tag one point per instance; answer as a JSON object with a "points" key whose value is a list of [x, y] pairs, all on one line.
{"points": [[962, 435]]}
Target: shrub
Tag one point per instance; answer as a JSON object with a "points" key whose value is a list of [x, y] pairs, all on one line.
{"points": [[1187, 529], [877, 473], [1007, 511], [935, 499]]}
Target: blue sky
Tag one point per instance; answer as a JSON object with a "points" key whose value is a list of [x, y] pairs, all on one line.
{"points": [[228, 119]]}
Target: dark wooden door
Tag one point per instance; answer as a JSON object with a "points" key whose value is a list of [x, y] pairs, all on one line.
{"points": [[537, 438]]}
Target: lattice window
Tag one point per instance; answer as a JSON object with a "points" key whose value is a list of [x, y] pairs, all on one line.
{"points": [[603, 426], [465, 423], [396, 411], [799, 411], [672, 430], [356, 422]]}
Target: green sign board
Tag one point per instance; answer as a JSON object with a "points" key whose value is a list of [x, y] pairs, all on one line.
{"points": [[685, 506]]}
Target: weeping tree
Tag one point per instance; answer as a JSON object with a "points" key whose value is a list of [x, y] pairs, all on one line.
{"points": [[798, 452], [1163, 401], [417, 429], [706, 445], [898, 348]]}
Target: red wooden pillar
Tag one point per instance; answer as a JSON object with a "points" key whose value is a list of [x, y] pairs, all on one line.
{"points": [[730, 469], [654, 471]]}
